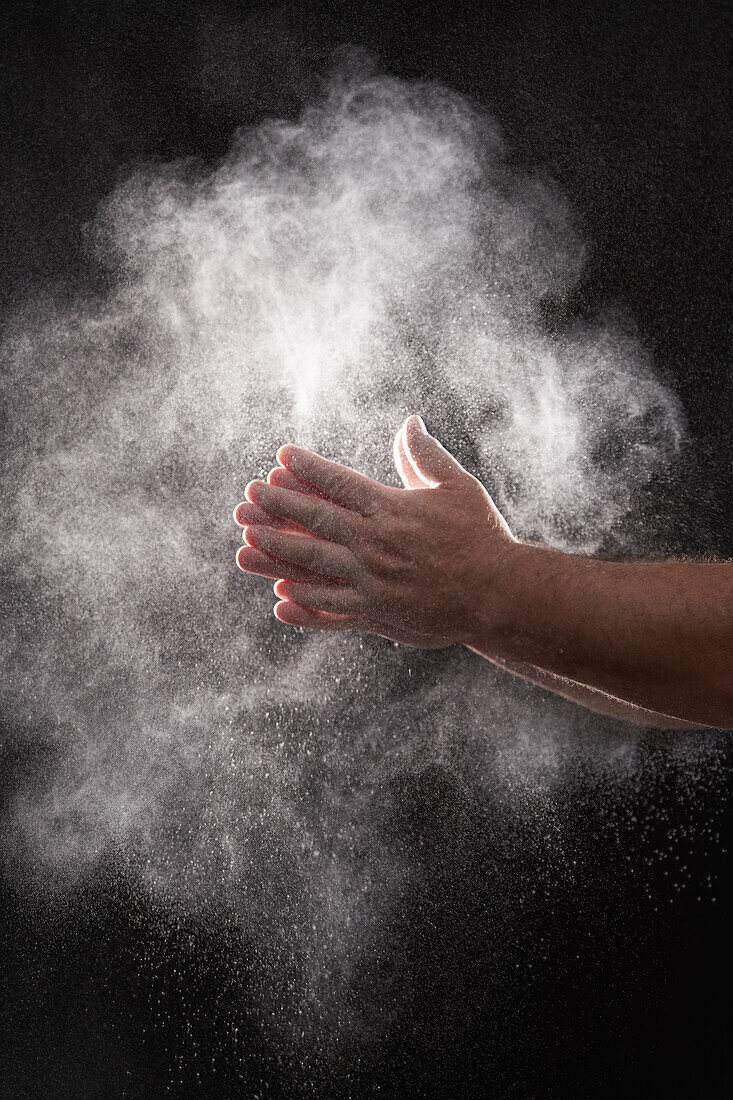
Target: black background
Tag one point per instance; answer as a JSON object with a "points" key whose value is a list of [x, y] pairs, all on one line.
{"points": [[619, 990]]}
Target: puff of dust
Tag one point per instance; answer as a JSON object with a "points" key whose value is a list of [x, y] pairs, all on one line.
{"points": [[376, 257]]}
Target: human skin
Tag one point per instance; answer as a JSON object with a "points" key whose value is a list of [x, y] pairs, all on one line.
{"points": [[435, 564]]}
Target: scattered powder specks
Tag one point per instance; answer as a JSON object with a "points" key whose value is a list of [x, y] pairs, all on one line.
{"points": [[375, 258]]}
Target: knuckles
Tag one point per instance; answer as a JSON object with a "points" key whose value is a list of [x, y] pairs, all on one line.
{"points": [[378, 559], [325, 525], [337, 483]]}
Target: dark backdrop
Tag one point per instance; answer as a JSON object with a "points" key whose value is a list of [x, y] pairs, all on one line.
{"points": [[626, 105]]}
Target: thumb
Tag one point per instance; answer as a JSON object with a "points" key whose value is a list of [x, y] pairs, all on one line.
{"points": [[433, 464], [409, 475]]}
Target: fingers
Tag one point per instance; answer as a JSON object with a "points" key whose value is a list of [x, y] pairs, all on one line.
{"points": [[316, 555], [285, 479], [429, 457], [339, 483], [255, 561], [338, 598], [323, 518], [294, 615], [246, 513], [410, 478]]}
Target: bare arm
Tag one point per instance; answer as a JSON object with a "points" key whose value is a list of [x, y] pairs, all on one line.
{"points": [[658, 635], [591, 698], [650, 642]]}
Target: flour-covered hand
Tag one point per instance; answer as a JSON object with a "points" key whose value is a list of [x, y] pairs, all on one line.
{"points": [[351, 553]]}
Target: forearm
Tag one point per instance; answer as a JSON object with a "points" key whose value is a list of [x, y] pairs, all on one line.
{"points": [[591, 698], [438, 564], [656, 635]]}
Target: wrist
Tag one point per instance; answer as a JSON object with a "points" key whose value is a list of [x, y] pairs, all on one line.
{"points": [[511, 603]]}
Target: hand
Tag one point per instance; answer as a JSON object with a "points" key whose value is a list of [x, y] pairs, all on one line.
{"points": [[351, 553]]}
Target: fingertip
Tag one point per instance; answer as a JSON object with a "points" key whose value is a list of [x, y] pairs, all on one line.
{"points": [[280, 589], [276, 475], [413, 431], [251, 490], [235, 514], [286, 455], [278, 611]]}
